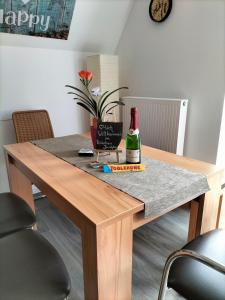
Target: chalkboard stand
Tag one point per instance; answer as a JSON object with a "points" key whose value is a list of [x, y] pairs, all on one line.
{"points": [[117, 151]]}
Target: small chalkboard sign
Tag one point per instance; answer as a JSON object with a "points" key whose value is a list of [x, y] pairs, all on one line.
{"points": [[109, 135]]}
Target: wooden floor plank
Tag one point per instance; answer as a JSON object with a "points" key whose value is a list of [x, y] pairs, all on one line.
{"points": [[152, 244]]}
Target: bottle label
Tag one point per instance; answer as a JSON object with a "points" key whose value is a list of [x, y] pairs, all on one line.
{"points": [[133, 156], [133, 131]]}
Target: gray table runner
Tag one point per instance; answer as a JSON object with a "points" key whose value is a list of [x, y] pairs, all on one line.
{"points": [[161, 186]]}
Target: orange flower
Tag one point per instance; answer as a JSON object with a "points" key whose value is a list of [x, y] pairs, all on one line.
{"points": [[83, 74], [89, 75]]}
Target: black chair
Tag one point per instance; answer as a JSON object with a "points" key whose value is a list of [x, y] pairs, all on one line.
{"points": [[15, 214], [197, 272], [31, 268]]}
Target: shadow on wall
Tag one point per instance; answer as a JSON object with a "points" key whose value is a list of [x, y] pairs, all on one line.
{"points": [[7, 136]]}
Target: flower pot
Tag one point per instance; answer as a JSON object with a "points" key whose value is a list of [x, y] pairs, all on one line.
{"points": [[93, 136], [94, 132]]}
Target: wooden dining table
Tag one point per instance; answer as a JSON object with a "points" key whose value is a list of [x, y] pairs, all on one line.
{"points": [[105, 215]]}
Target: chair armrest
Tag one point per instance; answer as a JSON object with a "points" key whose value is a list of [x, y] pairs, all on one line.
{"points": [[199, 257], [191, 254]]}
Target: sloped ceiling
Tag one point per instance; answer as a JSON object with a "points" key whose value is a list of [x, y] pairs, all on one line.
{"points": [[97, 26]]}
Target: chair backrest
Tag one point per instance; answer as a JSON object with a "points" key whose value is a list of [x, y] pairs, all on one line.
{"points": [[32, 125]]}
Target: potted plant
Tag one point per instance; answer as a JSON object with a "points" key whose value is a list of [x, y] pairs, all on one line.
{"points": [[94, 101]]}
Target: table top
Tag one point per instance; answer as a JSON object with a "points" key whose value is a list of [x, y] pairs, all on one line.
{"points": [[99, 202]]}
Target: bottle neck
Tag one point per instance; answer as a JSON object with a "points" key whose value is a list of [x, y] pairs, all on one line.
{"points": [[134, 120]]}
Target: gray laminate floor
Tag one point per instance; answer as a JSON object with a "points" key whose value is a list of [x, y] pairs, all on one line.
{"points": [[152, 244]]}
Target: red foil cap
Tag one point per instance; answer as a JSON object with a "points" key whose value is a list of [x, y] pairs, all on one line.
{"points": [[134, 118], [134, 110]]}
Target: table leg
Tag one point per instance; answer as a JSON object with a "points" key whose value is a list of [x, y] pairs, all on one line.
{"points": [[19, 183], [107, 260], [205, 209], [221, 215]]}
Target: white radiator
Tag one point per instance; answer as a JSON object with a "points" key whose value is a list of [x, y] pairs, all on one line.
{"points": [[161, 121]]}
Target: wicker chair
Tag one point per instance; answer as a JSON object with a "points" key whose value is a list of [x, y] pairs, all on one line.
{"points": [[32, 125]]}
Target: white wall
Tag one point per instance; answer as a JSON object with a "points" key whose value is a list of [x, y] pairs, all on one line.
{"points": [[33, 76], [34, 79], [182, 57], [221, 147]]}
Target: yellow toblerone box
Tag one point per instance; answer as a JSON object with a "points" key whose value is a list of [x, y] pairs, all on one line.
{"points": [[123, 168]]}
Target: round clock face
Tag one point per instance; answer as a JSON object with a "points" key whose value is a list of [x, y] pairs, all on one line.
{"points": [[159, 10]]}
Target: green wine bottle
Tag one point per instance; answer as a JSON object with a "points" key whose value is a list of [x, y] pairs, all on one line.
{"points": [[133, 140]]}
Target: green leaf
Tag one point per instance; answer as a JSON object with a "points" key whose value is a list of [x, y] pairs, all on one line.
{"points": [[90, 96], [72, 93], [80, 91], [90, 100], [83, 81], [102, 96], [86, 100], [86, 104], [76, 89], [107, 112], [90, 81], [107, 96], [100, 100], [113, 102], [86, 107]]}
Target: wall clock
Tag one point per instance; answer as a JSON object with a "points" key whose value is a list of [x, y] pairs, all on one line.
{"points": [[159, 10]]}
